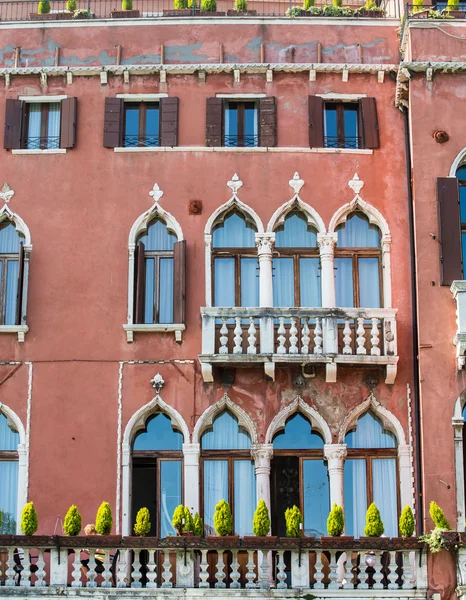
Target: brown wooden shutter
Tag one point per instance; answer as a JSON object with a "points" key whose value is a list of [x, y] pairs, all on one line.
{"points": [[19, 294], [169, 121], [370, 124], [179, 292], [140, 287], [214, 122], [267, 122], [316, 121], [12, 139], [69, 111], [449, 230], [113, 122]]}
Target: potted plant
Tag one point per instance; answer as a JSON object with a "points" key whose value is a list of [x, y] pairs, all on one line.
{"points": [[435, 540], [241, 8], [73, 521], [209, 8], [406, 522], [223, 525], [104, 522], [453, 9], [142, 525], [261, 527], [198, 526], [370, 9], [68, 13], [126, 11], [294, 526], [336, 526], [29, 521], [83, 13], [43, 12], [182, 521]]}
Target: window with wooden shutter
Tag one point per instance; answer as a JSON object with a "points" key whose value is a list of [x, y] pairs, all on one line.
{"points": [[13, 119], [316, 122], [113, 122], [214, 122], [169, 121], [451, 267], [140, 283], [69, 111], [268, 122], [370, 125], [179, 294]]}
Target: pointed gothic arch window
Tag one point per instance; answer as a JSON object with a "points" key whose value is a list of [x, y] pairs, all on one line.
{"points": [[9, 464], [11, 273]]}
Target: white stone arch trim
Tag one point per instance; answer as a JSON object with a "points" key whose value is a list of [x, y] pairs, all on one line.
{"points": [[279, 216], [137, 423], [7, 214], [206, 419], [458, 427], [389, 421], [459, 161], [298, 405], [15, 423]]}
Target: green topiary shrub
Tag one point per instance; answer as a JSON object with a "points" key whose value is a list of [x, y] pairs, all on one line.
{"points": [[178, 519], [335, 521], [374, 525], [241, 5], [223, 523], [198, 525], [126, 4], [188, 520], [261, 522], [143, 524], [73, 522], [29, 523], [71, 5], [418, 5], [103, 519], [209, 5], [453, 5], [308, 3], [192, 4], [337, 3], [406, 522], [293, 520], [180, 4], [43, 8], [438, 517]]}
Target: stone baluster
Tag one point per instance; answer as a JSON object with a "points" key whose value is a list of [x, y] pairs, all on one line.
{"points": [[10, 572], [238, 339], [347, 338], [378, 573], [375, 350], [407, 577], [151, 569], [76, 573], [250, 574], [348, 577], [136, 571], [333, 575], [363, 576], [318, 339], [220, 573], [26, 572], [319, 574], [235, 574], [252, 340], [166, 573], [265, 570], [281, 336], [393, 577], [293, 337], [361, 339], [122, 569], [91, 574], [223, 337], [107, 574], [40, 573], [281, 575], [305, 337], [204, 574]]}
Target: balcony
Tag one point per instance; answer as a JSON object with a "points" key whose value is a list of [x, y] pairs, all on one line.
{"points": [[245, 337], [180, 568]]}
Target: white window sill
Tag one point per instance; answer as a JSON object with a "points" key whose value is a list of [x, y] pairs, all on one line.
{"points": [[51, 151], [246, 150], [21, 330], [131, 329]]}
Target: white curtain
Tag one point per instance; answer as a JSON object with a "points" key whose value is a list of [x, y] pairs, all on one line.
{"points": [[384, 484], [310, 282], [11, 292], [249, 282], [35, 112], [224, 281], [295, 233], [226, 435], [9, 441], [355, 496], [215, 489], [283, 282], [245, 496], [344, 282], [166, 282], [53, 130], [234, 232], [158, 237], [149, 291], [369, 283], [358, 233], [9, 238], [170, 496]]}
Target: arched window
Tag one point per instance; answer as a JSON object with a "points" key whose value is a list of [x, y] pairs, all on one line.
{"points": [[158, 254], [299, 477], [9, 441], [371, 475], [157, 473], [11, 273], [296, 263], [461, 176], [358, 274], [228, 473], [235, 262]]}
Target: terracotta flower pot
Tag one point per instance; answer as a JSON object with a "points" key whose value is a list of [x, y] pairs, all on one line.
{"points": [[223, 541], [125, 14], [258, 541]]}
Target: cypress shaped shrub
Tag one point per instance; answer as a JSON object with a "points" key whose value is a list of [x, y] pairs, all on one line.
{"points": [[143, 524], [198, 525], [73, 522], [209, 5], [104, 519], [179, 4], [406, 523], [223, 523], [71, 5], [261, 522], [438, 516], [374, 525], [29, 522], [335, 521], [178, 518], [126, 4], [43, 8], [293, 520], [188, 520]]}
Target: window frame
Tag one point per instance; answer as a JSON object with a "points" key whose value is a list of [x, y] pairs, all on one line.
{"points": [[237, 255], [461, 184], [157, 255], [296, 254], [240, 137], [44, 139], [340, 122], [355, 254], [142, 121]]}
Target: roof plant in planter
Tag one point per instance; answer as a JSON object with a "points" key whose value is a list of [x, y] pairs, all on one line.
{"points": [[143, 524], [182, 520], [73, 522], [335, 521], [435, 539], [104, 519], [29, 522], [293, 520], [438, 516], [374, 525], [43, 7], [209, 6], [198, 525], [406, 522], [261, 527], [71, 5], [223, 522]]}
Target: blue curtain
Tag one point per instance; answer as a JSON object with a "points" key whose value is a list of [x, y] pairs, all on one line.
{"points": [[295, 232], [234, 232], [283, 282], [9, 441], [166, 290], [357, 232], [224, 282], [369, 433], [355, 490], [369, 283], [225, 434], [158, 237], [158, 435], [297, 435], [9, 238], [311, 293], [344, 282], [11, 292], [249, 282], [149, 300]]}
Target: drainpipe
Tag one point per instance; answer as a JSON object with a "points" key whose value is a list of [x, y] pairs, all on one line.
{"points": [[414, 320]]}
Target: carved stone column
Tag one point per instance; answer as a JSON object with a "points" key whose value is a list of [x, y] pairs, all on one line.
{"points": [[326, 243], [191, 453], [335, 455], [262, 455], [264, 243], [387, 280], [458, 425], [406, 475]]}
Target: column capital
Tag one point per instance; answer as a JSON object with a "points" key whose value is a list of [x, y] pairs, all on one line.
{"points": [[327, 242], [265, 242], [335, 452], [191, 449], [404, 450], [262, 455]]}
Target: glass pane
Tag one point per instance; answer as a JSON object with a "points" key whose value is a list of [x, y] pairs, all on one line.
{"points": [[249, 282], [384, 488], [152, 125], [158, 435], [309, 281], [369, 282], [355, 493], [251, 137], [295, 233], [158, 237], [149, 291], [369, 433], [224, 282], [166, 290], [316, 497], [215, 489], [131, 125], [11, 292], [344, 282], [350, 113], [53, 131], [463, 250], [9, 238], [461, 173], [245, 496], [231, 124], [234, 232], [297, 434], [463, 203], [357, 232], [9, 439], [8, 495], [170, 494], [283, 282], [34, 121], [330, 123], [225, 434]]}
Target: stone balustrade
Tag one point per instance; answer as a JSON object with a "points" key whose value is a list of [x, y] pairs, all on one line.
{"points": [[329, 336]]}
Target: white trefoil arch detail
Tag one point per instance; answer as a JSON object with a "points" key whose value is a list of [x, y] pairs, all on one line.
{"points": [[14, 422], [458, 429], [459, 161]]}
